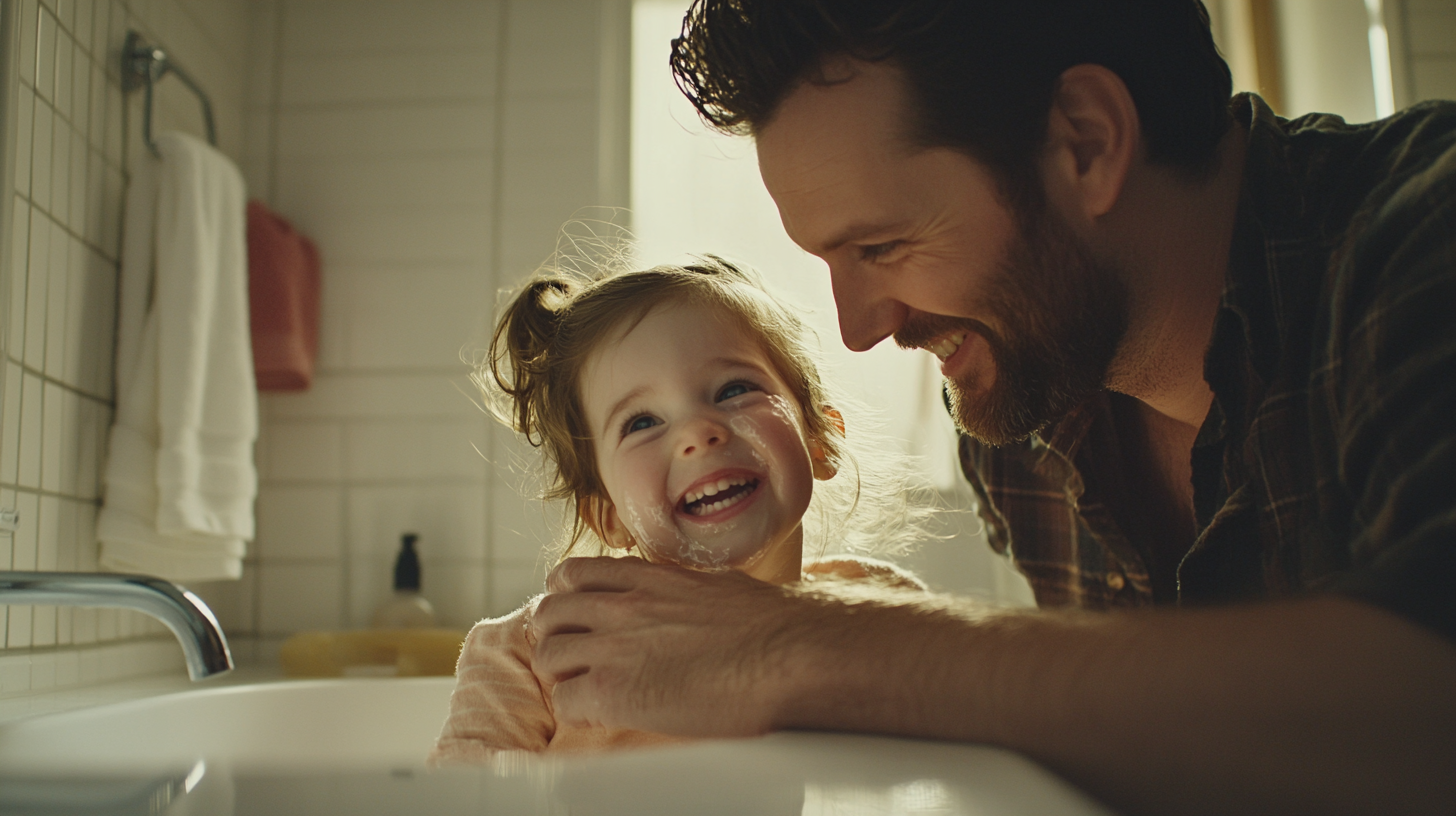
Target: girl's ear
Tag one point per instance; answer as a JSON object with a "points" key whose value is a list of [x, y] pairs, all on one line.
{"points": [[601, 516], [824, 469]]}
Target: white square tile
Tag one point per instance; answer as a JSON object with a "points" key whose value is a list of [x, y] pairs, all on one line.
{"points": [[100, 30], [95, 196], [24, 130], [43, 626], [27, 532], [111, 214], [299, 522], [66, 532], [48, 534], [381, 186], [402, 238], [263, 45], [7, 541], [98, 309], [65, 79], [68, 668], [349, 396], [26, 37], [36, 288], [83, 624], [82, 28], [106, 624], [81, 91], [449, 519], [42, 143], [409, 77], [407, 450], [60, 170], [511, 585], [336, 311], [337, 133], [70, 443], [304, 451], [522, 527], [10, 425], [1435, 77], [74, 349], [18, 636], [20, 247], [14, 673], [296, 597], [58, 278], [53, 428], [79, 155], [419, 319], [363, 26], [66, 13], [90, 448], [32, 424], [112, 146], [552, 47], [42, 672], [45, 58], [96, 120], [87, 548]]}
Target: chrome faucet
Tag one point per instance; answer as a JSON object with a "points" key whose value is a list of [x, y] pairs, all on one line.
{"points": [[185, 614]]}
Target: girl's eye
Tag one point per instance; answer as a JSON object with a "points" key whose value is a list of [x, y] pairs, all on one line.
{"points": [[875, 252], [732, 390], [641, 422]]}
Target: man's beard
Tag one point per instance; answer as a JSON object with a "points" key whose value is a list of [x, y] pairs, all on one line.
{"points": [[1062, 316]]}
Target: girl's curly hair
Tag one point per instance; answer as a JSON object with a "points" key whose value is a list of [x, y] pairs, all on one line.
{"points": [[550, 328]]}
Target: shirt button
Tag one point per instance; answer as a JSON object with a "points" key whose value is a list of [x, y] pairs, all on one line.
{"points": [[1115, 581]]}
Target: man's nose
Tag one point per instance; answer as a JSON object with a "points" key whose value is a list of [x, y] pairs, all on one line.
{"points": [[866, 315], [702, 434]]}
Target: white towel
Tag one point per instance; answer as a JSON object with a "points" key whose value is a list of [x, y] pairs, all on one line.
{"points": [[179, 479]]}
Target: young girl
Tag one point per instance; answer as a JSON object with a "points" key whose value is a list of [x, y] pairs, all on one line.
{"points": [[683, 421]]}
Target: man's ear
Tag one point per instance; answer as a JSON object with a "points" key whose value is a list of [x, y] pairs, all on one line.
{"points": [[601, 516], [824, 469], [1093, 137]]}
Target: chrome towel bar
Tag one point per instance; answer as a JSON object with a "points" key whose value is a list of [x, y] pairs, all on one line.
{"points": [[145, 65]]}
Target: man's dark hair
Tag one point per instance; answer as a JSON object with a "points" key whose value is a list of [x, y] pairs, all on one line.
{"points": [[982, 72]]}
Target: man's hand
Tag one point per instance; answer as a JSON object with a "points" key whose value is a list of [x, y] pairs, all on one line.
{"points": [[630, 644]]}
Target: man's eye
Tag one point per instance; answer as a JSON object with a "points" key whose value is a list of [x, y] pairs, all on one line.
{"points": [[641, 422], [732, 390], [874, 252]]}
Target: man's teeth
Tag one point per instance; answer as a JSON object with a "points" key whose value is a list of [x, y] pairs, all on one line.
{"points": [[944, 347], [713, 489]]}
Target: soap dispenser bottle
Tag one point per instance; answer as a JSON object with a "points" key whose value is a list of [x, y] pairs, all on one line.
{"points": [[406, 608]]}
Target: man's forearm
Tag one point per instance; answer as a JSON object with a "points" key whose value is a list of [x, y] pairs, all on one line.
{"points": [[1323, 705]]}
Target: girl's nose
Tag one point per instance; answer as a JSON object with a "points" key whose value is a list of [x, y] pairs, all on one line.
{"points": [[701, 435]]}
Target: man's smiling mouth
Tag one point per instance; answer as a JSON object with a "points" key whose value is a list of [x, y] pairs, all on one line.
{"points": [[946, 345], [720, 495]]}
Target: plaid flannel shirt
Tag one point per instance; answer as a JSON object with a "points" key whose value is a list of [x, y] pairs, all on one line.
{"points": [[1328, 460]]}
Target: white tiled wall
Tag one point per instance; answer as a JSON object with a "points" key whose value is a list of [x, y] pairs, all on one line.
{"points": [[69, 133], [1423, 48], [432, 149]]}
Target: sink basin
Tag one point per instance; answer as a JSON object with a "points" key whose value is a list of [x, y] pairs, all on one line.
{"points": [[357, 746]]}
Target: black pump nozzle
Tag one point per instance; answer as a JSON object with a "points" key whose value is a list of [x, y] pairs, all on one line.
{"points": [[407, 565]]}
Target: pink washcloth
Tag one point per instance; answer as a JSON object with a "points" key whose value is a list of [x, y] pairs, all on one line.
{"points": [[283, 291]]}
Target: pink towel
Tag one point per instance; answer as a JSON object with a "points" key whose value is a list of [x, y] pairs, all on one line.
{"points": [[283, 291]]}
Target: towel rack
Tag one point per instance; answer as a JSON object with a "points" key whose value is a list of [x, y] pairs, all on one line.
{"points": [[143, 64]]}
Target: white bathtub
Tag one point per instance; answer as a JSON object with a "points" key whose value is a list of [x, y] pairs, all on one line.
{"points": [[357, 747]]}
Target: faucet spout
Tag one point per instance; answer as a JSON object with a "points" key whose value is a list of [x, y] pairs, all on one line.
{"points": [[185, 614]]}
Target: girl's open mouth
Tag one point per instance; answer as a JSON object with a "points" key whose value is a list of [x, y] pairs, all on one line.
{"points": [[715, 497]]}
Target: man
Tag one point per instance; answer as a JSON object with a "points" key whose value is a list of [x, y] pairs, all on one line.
{"points": [[1204, 359]]}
